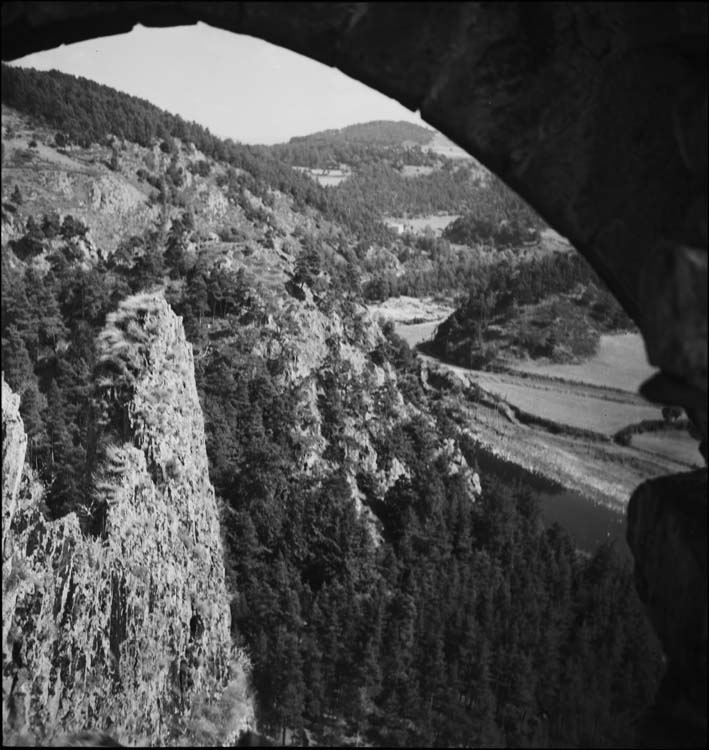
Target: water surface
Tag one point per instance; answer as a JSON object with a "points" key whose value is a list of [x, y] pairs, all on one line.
{"points": [[589, 524]]}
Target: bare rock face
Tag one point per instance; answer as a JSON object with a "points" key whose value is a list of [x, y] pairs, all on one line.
{"points": [[667, 522], [125, 629], [14, 445]]}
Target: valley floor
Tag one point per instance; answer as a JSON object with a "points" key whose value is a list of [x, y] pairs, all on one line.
{"points": [[602, 471], [562, 418]]}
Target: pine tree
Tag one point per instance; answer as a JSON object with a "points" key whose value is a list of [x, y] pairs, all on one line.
{"points": [[307, 265], [31, 407], [16, 363], [56, 424], [197, 296]]}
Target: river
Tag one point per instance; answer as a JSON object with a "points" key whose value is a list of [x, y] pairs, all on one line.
{"points": [[588, 523]]}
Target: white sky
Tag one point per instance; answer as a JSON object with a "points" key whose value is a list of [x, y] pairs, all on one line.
{"points": [[238, 86]]}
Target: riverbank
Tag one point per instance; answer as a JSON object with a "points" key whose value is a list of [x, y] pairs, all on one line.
{"points": [[558, 421], [589, 524]]}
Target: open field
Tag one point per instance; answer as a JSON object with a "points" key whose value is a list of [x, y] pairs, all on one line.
{"points": [[439, 144], [595, 467], [603, 472], [326, 177], [408, 170], [599, 395], [620, 363], [574, 406], [405, 309], [437, 222], [552, 241], [676, 444], [418, 332]]}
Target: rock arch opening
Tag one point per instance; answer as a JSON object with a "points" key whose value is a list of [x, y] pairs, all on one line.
{"points": [[594, 114]]}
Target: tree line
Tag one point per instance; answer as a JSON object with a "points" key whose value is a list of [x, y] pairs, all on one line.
{"points": [[431, 617], [468, 622], [86, 112]]}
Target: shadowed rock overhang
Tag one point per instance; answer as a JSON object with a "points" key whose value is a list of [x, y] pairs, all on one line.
{"points": [[595, 113]]}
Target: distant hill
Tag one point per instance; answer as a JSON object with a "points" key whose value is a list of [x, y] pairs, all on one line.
{"points": [[398, 143], [85, 113], [377, 132]]}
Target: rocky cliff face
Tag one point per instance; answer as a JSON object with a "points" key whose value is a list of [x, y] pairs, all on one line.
{"points": [[14, 445], [317, 349], [121, 622]]}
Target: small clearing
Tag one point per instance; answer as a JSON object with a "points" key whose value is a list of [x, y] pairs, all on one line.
{"points": [[409, 310], [326, 177], [418, 224], [415, 333], [408, 170]]}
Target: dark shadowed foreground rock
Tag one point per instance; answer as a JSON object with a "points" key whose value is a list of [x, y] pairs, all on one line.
{"points": [[667, 523], [126, 630]]}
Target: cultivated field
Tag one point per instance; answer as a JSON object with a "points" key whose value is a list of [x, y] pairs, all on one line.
{"points": [[584, 399], [602, 472], [596, 467], [568, 404], [437, 222], [408, 170], [676, 444], [620, 363], [326, 177], [439, 144]]}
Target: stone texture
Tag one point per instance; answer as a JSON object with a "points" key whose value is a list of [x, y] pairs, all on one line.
{"points": [[127, 629], [14, 446], [596, 113], [667, 524]]}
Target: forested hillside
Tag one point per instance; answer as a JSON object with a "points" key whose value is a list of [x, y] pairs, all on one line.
{"points": [[376, 188], [393, 142], [85, 112], [554, 307], [383, 596], [378, 132]]}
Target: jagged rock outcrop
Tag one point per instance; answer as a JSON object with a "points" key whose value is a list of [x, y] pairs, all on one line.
{"points": [[667, 522], [126, 630], [14, 445]]}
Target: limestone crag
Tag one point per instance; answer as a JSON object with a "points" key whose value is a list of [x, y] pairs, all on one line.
{"points": [[329, 363], [126, 630], [11, 227], [14, 445]]}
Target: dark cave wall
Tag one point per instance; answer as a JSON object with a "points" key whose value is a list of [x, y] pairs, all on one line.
{"points": [[596, 113]]}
